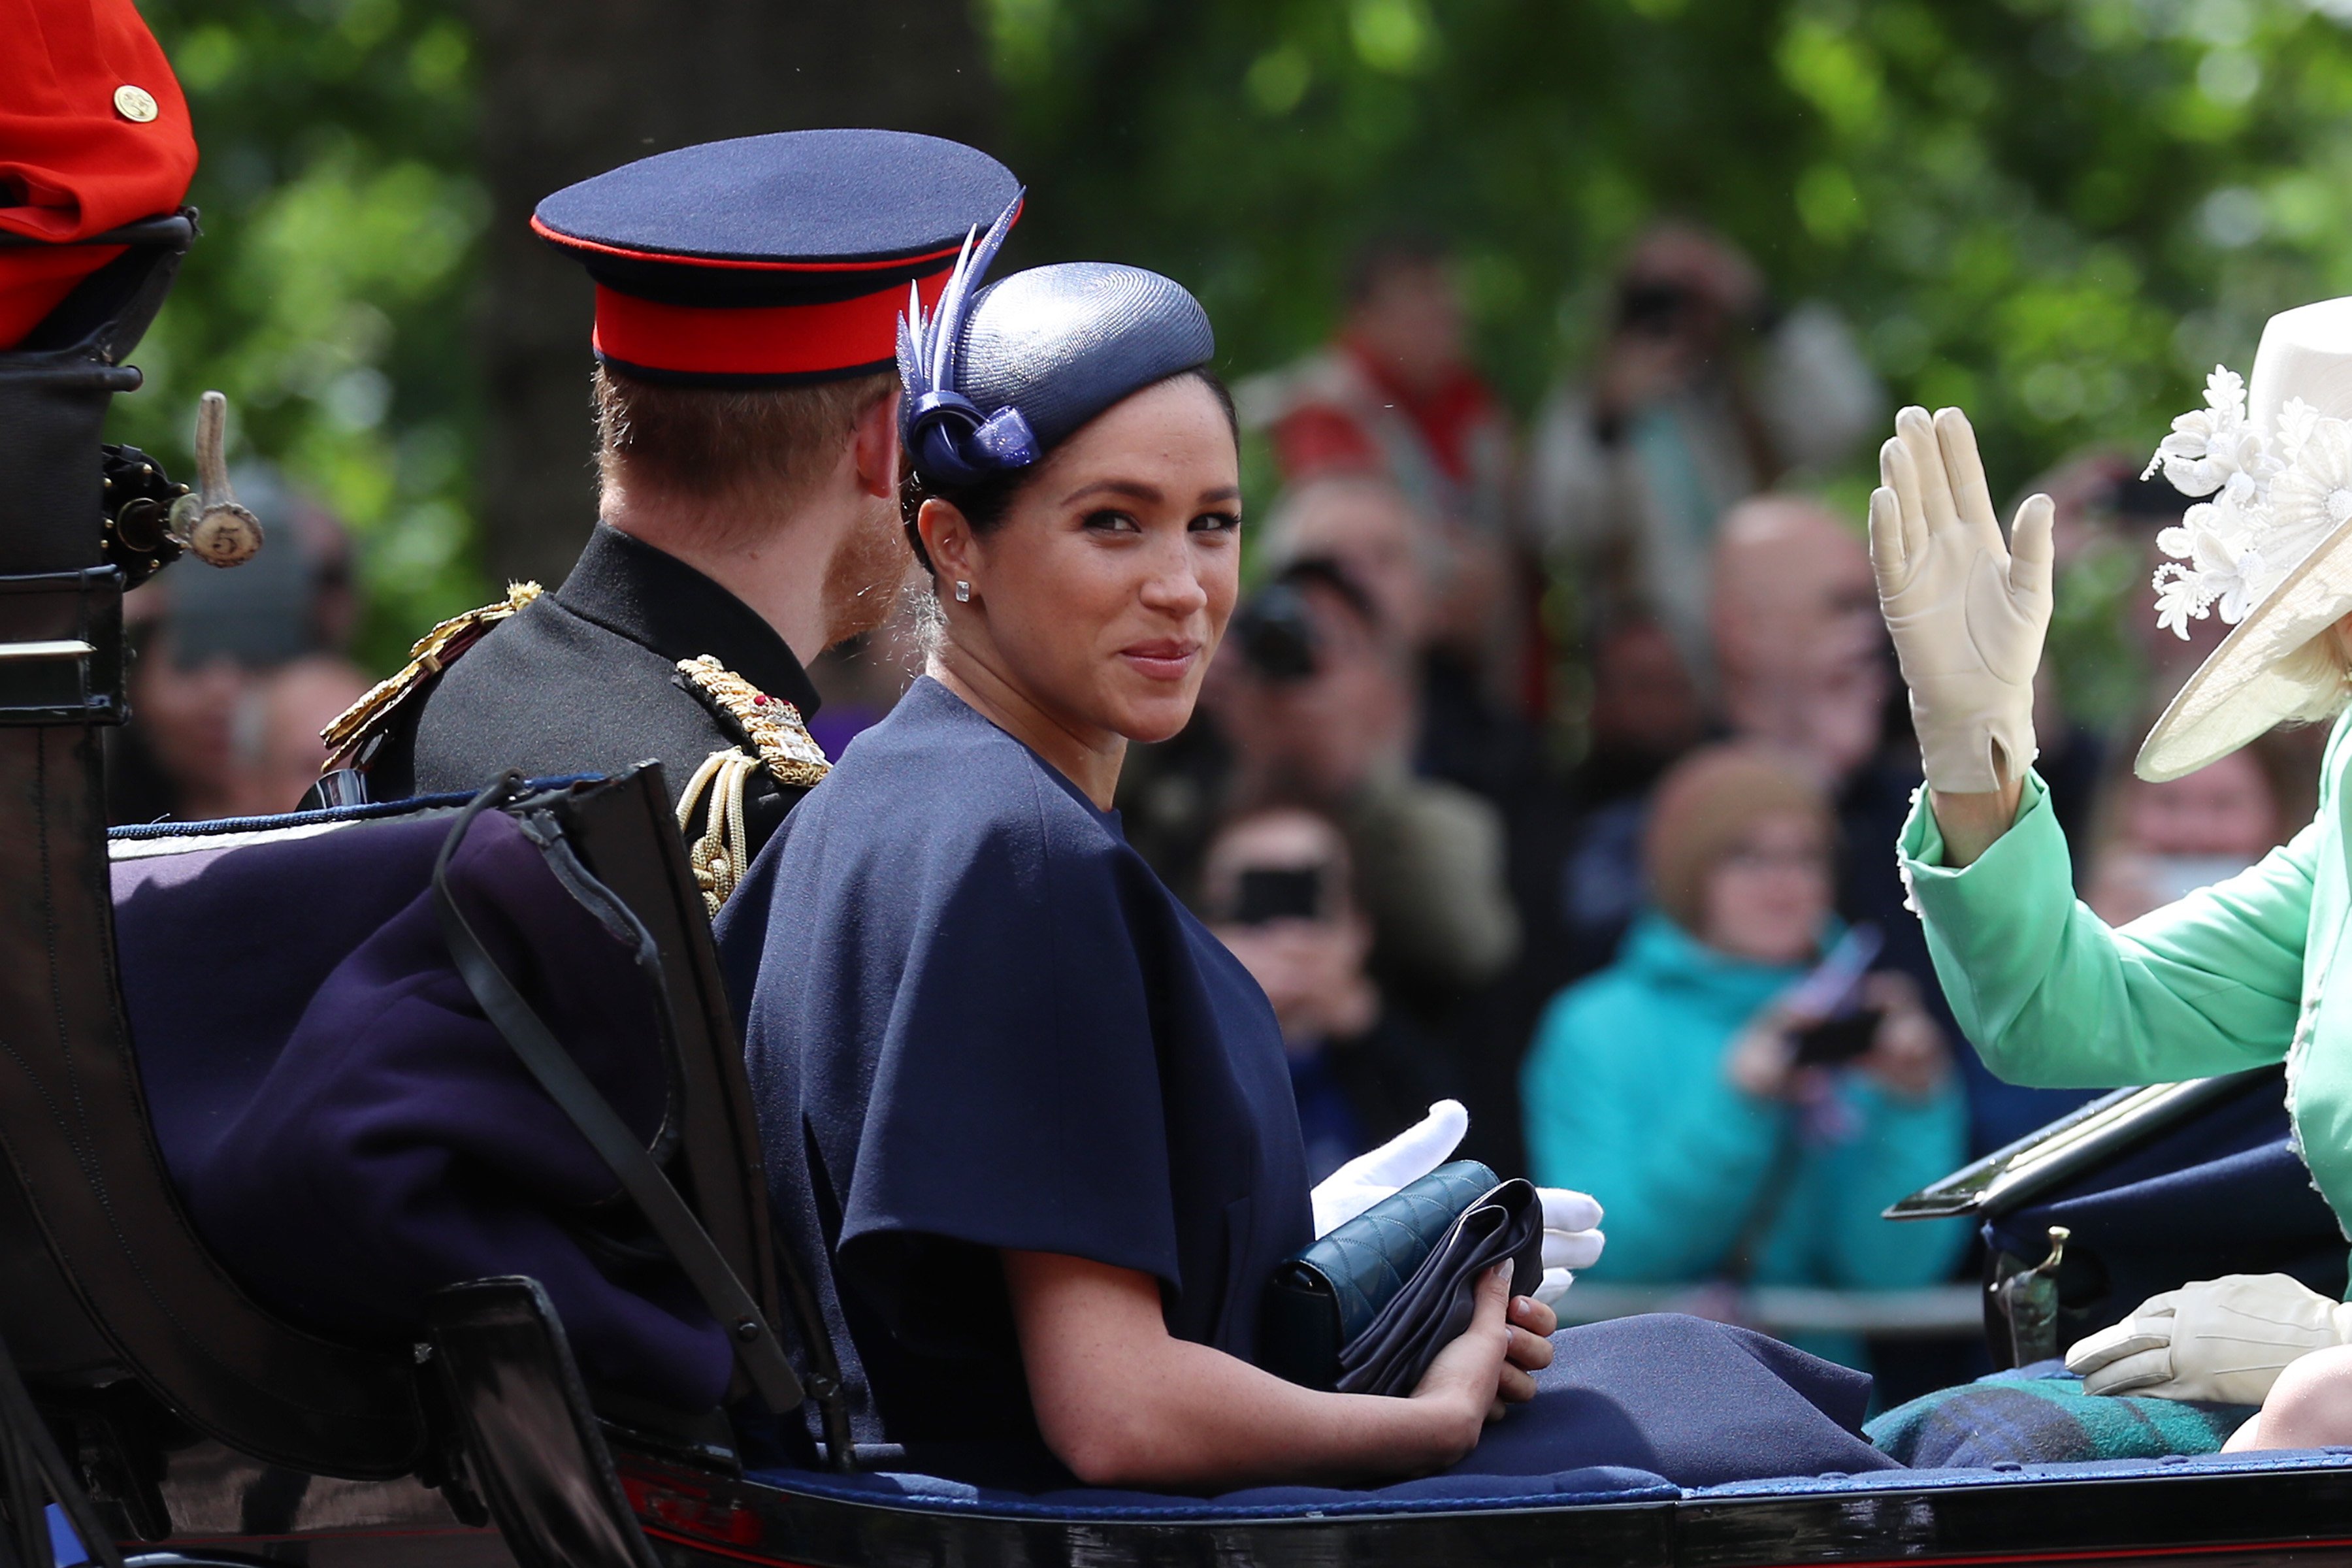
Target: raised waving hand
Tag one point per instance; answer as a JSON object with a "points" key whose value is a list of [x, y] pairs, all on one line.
{"points": [[1967, 608]]}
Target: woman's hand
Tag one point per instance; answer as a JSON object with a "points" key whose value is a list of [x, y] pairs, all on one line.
{"points": [[1532, 1325], [1968, 610], [1469, 1383], [2223, 1340], [1908, 1053], [1762, 1060]]}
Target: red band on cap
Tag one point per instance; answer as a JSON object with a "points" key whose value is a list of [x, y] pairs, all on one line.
{"points": [[760, 340]]}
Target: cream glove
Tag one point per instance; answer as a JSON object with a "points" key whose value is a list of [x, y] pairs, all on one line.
{"points": [[2223, 1340], [1967, 611], [1572, 1241]]}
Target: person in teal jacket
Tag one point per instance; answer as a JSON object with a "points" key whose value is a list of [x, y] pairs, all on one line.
{"points": [[2235, 976], [1666, 1085]]}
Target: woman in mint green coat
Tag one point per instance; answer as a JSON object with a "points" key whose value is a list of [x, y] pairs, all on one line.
{"points": [[2231, 977]]}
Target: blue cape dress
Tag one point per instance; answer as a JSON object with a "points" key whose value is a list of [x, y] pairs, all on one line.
{"points": [[975, 1020]]}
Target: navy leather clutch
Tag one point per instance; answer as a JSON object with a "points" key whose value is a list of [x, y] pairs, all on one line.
{"points": [[1366, 1308]]}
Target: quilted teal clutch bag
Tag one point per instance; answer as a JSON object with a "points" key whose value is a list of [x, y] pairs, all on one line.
{"points": [[1323, 1298]]}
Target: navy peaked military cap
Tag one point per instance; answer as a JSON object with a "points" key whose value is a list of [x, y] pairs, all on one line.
{"points": [[769, 260]]}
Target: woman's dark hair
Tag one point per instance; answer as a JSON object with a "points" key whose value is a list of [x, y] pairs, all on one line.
{"points": [[986, 501]]}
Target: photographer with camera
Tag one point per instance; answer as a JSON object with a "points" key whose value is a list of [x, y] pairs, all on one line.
{"points": [[1313, 695], [1278, 889], [1741, 1090], [1701, 395]]}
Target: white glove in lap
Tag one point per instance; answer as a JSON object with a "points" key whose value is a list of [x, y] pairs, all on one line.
{"points": [[2224, 1340], [1966, 609], [1572, 1241], [1377, 1173]]}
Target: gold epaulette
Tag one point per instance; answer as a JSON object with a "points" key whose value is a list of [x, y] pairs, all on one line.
{"points": [[777, 741], [769, 725], [432, 653]]}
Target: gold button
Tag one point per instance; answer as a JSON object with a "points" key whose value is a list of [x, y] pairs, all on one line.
{"points": [[135, 104]]}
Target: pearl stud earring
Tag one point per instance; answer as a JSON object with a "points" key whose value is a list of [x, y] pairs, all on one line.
{"points": [[963, 592]]}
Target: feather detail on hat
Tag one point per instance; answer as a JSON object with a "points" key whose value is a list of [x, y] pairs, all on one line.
{"points": [[949, 435], [998, 375]]}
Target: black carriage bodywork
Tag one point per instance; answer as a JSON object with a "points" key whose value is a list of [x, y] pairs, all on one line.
{"points": [[2130, 1194], [207, 1429]]}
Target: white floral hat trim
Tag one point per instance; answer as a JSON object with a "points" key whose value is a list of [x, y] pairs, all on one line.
{"points": [[2275, 497]]}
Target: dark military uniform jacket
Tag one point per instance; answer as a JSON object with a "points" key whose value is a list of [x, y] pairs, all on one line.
{"points": [[637, 657]]}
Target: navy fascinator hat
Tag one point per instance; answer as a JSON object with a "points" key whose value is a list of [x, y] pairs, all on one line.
{"points": [[997, 376]]}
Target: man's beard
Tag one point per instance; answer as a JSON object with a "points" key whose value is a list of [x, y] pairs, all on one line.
{"points": [[861, 581]]}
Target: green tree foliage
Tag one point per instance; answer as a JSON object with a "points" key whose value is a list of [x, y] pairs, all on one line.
{"points": [[328, 296], [2057, 213]]}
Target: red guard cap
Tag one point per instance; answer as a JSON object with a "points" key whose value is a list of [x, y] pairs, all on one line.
{"points": [[771, 260], [93, 134]]}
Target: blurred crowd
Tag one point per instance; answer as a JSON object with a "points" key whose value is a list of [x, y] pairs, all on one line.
{"points": [[1556, 767], [1560, 767], [233, 674]]}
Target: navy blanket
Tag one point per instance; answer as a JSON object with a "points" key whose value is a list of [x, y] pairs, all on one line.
{"points": [[350, 1133]]}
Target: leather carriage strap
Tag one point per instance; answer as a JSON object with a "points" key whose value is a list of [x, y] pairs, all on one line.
{"points": [[578, 1097]]}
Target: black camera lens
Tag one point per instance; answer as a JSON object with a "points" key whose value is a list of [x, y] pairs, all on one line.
{"points": [[1276, 634], [1264, 894]]}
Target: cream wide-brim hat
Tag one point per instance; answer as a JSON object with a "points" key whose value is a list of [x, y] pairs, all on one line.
{"points": [[2241, 691]]}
